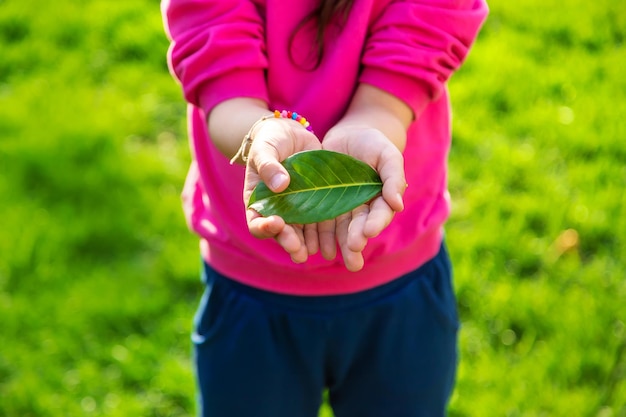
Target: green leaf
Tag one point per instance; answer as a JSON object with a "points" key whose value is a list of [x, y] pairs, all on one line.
{"points": [[324, 184]]}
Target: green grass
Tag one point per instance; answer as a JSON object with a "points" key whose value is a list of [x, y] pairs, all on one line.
{"points": [[99, 275]]}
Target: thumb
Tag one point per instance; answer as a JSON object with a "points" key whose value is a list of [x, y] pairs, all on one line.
{"points": [[265, 161], [394, 180]]}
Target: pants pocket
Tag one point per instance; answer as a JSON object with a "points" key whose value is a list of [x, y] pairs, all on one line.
{"points": [[439, 289], [212, 313]]}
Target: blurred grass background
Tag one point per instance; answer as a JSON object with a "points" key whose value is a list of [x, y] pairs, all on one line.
{"points": [[99, 275]]}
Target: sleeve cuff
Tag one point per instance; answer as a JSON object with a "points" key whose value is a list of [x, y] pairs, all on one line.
{"points": [[241, 83], [415, 93]]}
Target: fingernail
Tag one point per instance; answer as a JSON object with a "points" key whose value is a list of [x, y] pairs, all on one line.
{"points": [[277, 180], [401, 200]]}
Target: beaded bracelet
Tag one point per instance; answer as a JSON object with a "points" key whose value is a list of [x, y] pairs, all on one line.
{"points": [[244, 149], [293, 116]]}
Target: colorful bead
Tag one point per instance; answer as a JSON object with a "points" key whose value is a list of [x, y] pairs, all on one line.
{"points": [[285, 114]]}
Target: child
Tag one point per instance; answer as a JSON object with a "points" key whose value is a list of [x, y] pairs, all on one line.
{"points": [[362, 305]]}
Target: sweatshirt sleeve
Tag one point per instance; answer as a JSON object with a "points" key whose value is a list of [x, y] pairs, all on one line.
{"points": [[415, 46], [217, 49]]}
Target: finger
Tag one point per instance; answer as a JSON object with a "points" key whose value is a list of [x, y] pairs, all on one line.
{"points": [[264, 227], [356, 237], [379, 216], [393, 191], [311, 238], [352, 260], [292, 242], [327, 242], [266, 162], [391, 171]]}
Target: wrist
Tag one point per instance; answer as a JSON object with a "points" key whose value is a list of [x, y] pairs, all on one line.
{"points": [[244, 149]]}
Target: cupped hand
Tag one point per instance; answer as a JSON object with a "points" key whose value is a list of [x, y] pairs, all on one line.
{"points": [[274, 141], [354, 229]]}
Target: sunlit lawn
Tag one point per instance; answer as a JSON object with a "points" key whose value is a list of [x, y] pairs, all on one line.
{"points": [[99, 275]]}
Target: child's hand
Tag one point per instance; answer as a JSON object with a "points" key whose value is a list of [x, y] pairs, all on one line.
{"points": [[275, 140], [353, 229]]}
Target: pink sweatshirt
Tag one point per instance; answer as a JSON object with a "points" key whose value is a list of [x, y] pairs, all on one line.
{"points": [[223, 49]]}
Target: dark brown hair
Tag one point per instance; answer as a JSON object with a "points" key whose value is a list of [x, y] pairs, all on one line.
{"points": [[323, 15]]}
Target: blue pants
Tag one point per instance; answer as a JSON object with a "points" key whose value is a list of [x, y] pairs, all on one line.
{"points": [[390, 351]]}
